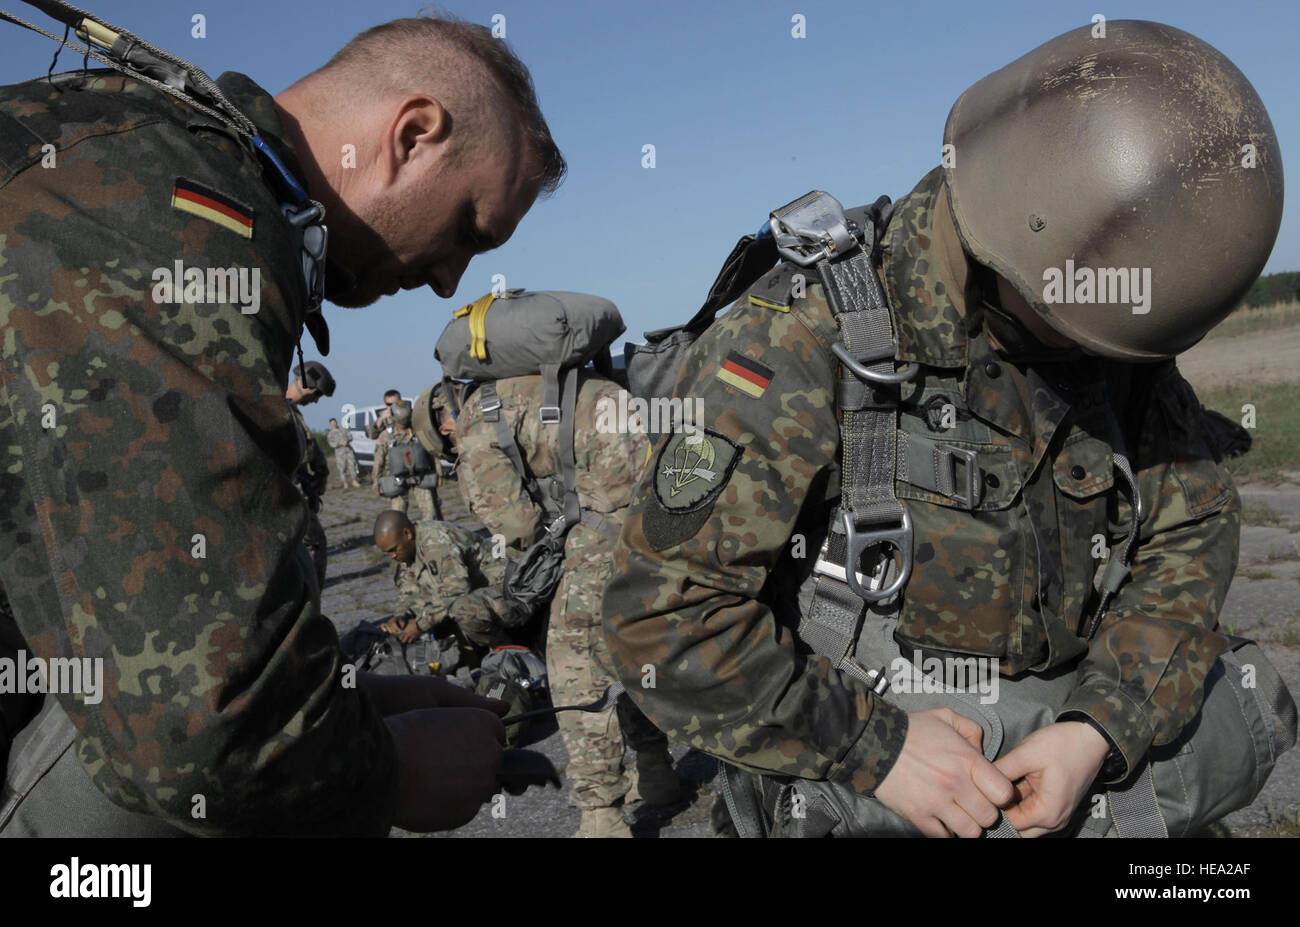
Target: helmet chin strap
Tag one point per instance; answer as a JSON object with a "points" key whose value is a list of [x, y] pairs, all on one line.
{"points": [[1012, 335]]}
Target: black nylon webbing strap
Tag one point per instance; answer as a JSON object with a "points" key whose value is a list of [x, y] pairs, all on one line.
{"points": [[740, 792]]}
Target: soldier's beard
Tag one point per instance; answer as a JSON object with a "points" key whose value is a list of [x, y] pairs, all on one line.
{"points": [[340, 285]]}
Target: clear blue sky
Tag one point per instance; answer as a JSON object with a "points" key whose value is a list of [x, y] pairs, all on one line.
{"points": [[743, 118]]}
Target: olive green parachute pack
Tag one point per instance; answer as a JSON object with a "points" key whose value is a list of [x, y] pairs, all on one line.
{"points": [[552, 334]]}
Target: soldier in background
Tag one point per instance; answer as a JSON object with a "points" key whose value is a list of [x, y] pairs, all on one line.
{"points": [[398, 435], [311, 381], [445, 575], [384, 418], [608, 467], [346, 461]]}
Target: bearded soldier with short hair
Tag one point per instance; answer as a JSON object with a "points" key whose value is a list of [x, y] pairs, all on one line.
{"points": [[157, 527]]}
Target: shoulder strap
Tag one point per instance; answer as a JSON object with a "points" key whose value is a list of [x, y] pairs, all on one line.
{"points": [[490, 406], [814, 231]]}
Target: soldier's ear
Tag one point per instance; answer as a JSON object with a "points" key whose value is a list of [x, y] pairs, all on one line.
{"points": [[420, 127]]}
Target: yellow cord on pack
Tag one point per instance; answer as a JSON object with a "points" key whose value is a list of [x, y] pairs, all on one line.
{"points": [[477, 312], [102, 36]]}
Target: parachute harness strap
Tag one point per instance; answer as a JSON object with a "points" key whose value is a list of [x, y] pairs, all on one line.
{"points": [[814, 231]]}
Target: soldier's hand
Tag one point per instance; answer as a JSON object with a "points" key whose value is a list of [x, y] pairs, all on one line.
{"points": [[393, 625], [1052, 770], [447, 762], [392, 695], [941, 781], [409, 633]]}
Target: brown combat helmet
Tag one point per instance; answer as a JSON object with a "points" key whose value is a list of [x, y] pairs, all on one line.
{"points": [[424, 422], [1141, 164]]}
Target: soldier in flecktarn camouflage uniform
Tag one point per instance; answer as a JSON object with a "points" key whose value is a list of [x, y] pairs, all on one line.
{"points": [[608, 468], [310, 383], [344, 458], [715, 567], [149, 517], [444, 573]]}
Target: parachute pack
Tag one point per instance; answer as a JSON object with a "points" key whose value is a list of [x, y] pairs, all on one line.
{"points": [[410, 467]]}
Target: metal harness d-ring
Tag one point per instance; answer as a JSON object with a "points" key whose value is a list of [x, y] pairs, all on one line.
{"points": [[857, 542], [855, 363]]}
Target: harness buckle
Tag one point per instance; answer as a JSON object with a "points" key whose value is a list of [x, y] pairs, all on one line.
{"points": [[556, 527], [550, 415], [830, 568], [971, 484], [811, 229], [857, 542]]}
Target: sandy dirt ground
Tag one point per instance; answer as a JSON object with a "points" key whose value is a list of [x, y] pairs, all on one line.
{"points": [[1257, 357]]}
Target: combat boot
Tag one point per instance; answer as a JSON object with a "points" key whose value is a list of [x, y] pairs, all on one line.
{"points": [[656, 780], [603, 822]]}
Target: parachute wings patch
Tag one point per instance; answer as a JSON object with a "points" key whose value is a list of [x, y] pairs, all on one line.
{"points": [[690, 473]]}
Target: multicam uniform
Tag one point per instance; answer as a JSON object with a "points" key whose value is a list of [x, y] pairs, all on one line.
{"points": [[454, 576], [426, 499], [150, 517], [344, 458], [707, 576], [608, 467]]}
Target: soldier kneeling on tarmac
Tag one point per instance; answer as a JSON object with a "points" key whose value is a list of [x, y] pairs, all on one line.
{"points": [[447, 581]]}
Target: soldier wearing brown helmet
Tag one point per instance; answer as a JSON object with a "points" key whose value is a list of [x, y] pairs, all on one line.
{"points": [[923, 423]]}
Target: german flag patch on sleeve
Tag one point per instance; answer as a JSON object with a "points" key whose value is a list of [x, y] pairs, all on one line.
{"points": [[206, 203], [745, 374]]}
